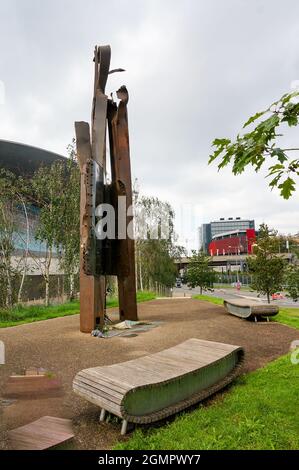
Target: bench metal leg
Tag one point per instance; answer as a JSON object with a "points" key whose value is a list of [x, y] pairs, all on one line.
{"points": [[102, 415], [268, 319], [124, 427], [255, 319]]}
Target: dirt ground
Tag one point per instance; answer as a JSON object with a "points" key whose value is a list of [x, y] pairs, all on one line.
{"points": [[57, 345]]}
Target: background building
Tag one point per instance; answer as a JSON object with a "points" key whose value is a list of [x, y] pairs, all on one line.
{"points": [[24, 160], [221, 228], [205, 237], [232, 243]]}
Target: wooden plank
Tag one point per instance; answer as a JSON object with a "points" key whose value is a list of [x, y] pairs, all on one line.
{"points": [[171, 362], [131, 379], [160, 364], [98, 400], [135, 379], [197, 354], [153, 375], [184, 357], [200, 343], [138, 373], [99, 389], [164, 365], [123, 385], [196, 365], [104, 384], [41, 434], [97, 393], [204, 355]]}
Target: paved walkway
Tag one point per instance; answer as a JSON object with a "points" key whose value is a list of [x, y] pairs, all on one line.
{"points": [[58, 345]]}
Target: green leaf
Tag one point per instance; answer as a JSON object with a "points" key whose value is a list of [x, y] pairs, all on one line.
{"points": [[275, 168], [273, 183], [291, 114], [221, 142], [287, 188], [254, 118], [290, 119], [269, 124], [252, 148], [285, 99], [281, 156]]}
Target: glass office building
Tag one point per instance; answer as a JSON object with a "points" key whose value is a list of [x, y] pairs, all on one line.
{"points": [[222, 226], [22, 159]]}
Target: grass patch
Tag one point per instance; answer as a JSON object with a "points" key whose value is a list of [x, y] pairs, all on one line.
{"points": [[259, 412], [209, 298], [21, 314], [26, 314], [288, 316]]}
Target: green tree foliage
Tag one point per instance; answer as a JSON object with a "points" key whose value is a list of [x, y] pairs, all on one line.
{"points": [[68, 237], [14, 231], [292, 282], [45, 190], [155, 245], [7, 230], [56, 191], [157, 264], [288, 244], [260, 146], [266, 266], [199, 273]]}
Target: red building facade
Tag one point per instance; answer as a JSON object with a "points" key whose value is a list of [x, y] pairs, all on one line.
{"points": [[233, 243]]}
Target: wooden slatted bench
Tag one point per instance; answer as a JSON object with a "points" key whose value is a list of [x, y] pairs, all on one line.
{"points": [[153, 387], [250, 309]]}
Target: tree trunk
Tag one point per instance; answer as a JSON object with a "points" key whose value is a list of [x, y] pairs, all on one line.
{"points": [[140, 273], [26, 252], [58, 288], [72, 287], [47, 275], [268, 297], [9, 293], [47, 295], [136, 266], [21, 287], [200, 290]]}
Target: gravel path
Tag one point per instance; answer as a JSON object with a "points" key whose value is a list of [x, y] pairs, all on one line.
{"points": [[57, 345]]}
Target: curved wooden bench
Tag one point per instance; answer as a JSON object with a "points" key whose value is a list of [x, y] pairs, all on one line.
{"points": [[153, 387], [250, 309]]}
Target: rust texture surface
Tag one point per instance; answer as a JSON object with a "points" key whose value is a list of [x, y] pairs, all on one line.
{"points": [[98, 258]]}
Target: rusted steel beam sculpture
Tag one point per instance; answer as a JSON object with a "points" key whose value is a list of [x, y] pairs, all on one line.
{"points": [[105, 256]]}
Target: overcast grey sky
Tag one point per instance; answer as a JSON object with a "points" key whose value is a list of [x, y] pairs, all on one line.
{"points": [[195, 70]]}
